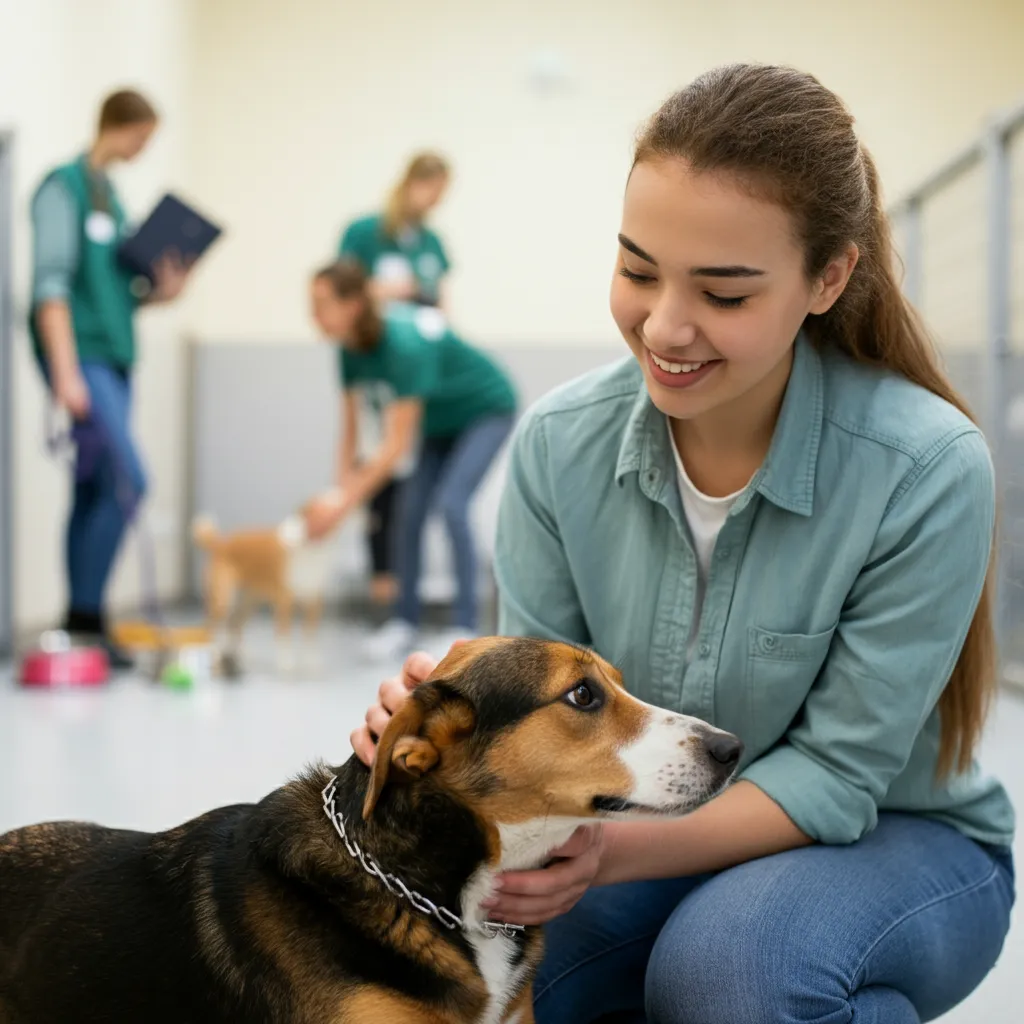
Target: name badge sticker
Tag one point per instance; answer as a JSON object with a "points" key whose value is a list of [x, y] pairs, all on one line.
{"points": [[100, 228]]}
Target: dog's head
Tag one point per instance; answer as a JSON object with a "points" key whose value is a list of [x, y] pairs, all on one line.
{"points": [[520, 730]]}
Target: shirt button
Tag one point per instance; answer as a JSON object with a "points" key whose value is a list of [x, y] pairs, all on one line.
{"points": [[725, 552], [705, 649], [767, 642]]}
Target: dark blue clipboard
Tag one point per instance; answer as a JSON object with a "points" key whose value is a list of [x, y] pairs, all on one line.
{"points": [[173, 226]]}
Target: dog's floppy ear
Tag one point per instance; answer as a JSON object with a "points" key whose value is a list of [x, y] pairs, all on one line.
{"points": [[432, 718]]}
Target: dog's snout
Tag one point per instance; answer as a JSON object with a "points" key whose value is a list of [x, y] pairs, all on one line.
{"points": [[724, 748]]}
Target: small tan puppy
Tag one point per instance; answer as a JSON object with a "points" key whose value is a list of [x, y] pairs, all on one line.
{"points": [[279, 566]]}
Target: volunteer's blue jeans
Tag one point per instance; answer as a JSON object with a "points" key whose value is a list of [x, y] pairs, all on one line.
{"points": [[895, 929], [109, 483], [448, 472]]}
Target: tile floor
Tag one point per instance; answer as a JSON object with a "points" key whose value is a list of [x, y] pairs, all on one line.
{"points": [[139, 756]]}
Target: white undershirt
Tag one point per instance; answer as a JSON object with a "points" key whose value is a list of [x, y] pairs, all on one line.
{"points": [[705, 516]]}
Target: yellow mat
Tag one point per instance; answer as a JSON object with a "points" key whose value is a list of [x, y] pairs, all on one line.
{"points": [[144, 636]]}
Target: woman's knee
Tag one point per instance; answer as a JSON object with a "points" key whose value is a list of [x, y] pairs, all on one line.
{"points": [[733, 951]]}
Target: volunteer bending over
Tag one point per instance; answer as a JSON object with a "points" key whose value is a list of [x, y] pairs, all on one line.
{"points": [[448, 399], [406, 262]]}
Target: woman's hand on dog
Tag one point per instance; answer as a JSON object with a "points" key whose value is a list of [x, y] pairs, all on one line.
{"points": [[536, 897], [392, 692]]}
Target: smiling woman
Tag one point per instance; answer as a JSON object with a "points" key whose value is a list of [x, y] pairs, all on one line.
{"points": [[784, 409]]}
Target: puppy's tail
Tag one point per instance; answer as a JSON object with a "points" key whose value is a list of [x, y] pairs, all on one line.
{"points": [[205, 534]]}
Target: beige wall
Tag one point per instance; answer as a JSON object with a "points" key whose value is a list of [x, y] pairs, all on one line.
{"points": [[286, 119], [57, 59], [309, 108]]}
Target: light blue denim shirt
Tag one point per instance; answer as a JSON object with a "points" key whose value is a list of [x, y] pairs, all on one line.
{"points": [[841, 587]]}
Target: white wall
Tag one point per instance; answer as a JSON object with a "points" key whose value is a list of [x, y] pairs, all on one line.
{"points": [[309, 108], [58, 58]]}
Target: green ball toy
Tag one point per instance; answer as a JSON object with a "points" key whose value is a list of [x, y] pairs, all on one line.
{"points": [[177, 678]]}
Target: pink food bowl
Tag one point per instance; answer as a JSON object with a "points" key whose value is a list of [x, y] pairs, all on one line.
{"points": [[56, 663]]}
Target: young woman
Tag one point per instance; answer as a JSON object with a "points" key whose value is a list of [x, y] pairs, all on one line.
{"points": [[81, 322], [406, 262], [404, 257], [445, 396], [777, 516]]}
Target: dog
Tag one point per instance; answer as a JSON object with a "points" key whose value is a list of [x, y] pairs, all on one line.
{"points": [[277, 565], [352, 895]]}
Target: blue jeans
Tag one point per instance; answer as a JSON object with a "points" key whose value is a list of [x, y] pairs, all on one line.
{"points": [[109, 484], [895, 929], [448, 472]]}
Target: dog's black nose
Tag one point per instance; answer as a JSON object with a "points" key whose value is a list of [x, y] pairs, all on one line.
{"points": [[724, 748]]}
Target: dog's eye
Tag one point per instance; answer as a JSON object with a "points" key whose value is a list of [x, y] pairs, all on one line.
{"points": [[584, 696]]}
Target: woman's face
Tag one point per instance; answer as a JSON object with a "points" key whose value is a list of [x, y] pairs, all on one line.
{"points": [[710, 290], [423, 195], [128, 141], [335, 317]]}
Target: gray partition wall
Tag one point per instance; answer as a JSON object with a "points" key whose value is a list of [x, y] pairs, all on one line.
{"points": [[265, 430]]}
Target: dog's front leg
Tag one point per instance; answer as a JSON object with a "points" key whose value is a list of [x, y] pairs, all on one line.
{"points": [[283, 605], [230, 653], [311, 655]]}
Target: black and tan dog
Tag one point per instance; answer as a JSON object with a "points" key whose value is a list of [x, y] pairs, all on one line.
{"points": [[355, 899]]}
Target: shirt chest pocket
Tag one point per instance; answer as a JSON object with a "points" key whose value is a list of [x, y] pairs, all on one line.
{"points": [[780, 671]]}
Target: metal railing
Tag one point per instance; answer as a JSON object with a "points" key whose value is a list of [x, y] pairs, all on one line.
{"points": [[961, 234]]}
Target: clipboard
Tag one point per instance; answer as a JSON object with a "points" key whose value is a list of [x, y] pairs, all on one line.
{"points": [[172, 226]]}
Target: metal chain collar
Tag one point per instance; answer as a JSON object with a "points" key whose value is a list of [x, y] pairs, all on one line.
{"points": [[394, 885]]}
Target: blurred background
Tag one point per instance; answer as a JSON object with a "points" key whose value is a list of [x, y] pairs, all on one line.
{"points": [[285, 121]]}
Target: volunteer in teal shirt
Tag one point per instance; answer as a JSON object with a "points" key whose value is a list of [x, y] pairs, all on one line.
{"points": [[775, 516], [81, 325], [406, 262], [448, 397], [405, 259]]}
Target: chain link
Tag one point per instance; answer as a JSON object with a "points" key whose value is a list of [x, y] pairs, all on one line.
{"points": [[394, 885]]}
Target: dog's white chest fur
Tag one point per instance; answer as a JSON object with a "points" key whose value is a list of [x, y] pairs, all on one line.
{"points": [[308, 562], [523, 846], [307, 571], [502, 976]]}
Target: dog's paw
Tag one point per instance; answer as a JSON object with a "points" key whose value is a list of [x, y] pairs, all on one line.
{"points": [[229, 665]]}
